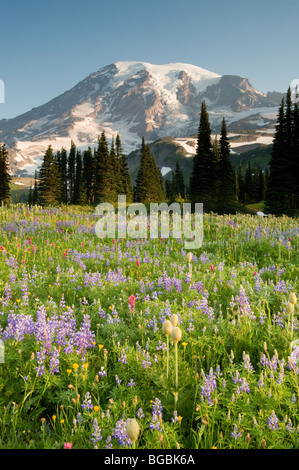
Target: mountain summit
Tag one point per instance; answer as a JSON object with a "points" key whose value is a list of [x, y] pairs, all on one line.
{"points": [[137, 99]]}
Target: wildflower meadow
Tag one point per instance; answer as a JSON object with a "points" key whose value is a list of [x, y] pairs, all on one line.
{"points": [[142, 344]]}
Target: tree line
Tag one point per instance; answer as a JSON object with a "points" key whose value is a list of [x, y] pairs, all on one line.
{"points": [[101, 174], [83, 177], [282, 196]]}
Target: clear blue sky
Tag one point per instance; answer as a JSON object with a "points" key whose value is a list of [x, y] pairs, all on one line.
{"points": [[48, 47]]}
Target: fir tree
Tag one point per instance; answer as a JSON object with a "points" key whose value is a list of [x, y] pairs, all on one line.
{"points": [[78, 182], [49, 187], [63, 170], [179, 181], [295, 150], [105, 172], [280, 187], [203, 177], [5, 177], [71, 165], [248, 185], [225, 174], [88, 174], [149, 182], [123, 175]]}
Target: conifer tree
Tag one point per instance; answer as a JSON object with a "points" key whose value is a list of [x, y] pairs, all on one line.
{"points": [[149, 182], [256, 190], [71, 165], [88, 174], [5, 177], [78, 182], [202, 181], [295, 150], [49, 187], [280, 187], [105, 172], [225, 174], [179, 181], [248, 185], [64, 174]]}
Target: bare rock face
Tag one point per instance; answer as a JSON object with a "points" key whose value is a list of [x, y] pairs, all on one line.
{"points": [[136, 100]]}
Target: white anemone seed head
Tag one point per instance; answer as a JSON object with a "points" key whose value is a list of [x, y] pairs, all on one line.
{"points": [[176, 334], [174, 319], [292, 298], [167, 327], [132, 429], [290, 307]]}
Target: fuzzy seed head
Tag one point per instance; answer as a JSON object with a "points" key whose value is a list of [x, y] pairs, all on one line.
{"points": [[290, 307], [292, 298], [174, 319], [176, 334], [132, 429], [167, 327], [189, 257]]}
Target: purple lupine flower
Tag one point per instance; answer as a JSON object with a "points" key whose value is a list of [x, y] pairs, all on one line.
{"points": [[273, 421], [117, 380], [261, 381], [175, 418], [108, 443], [146, 362], [84, 338], [79, 418], [119, 433], [290, 427], [102, 372], [41, 356], [140, 413], [209, 385], [87, 405], [244, 386], [54, 361], [96, 434], [123, 357], [156, 415], [247, 364], [235, 434]]}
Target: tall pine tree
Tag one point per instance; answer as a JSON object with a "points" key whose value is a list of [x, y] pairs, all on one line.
{"points": [[88, 174], [49, 186], [225, 174], [203, 177], [71, 165], [5, 176], [280, 189], [105, 185], [149, 182]]}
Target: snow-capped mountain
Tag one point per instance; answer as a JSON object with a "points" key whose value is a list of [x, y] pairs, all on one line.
{"points": [[136, 99]]}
